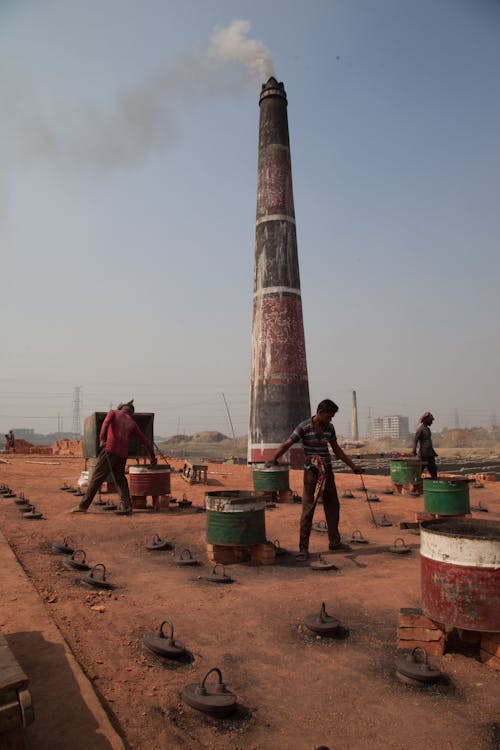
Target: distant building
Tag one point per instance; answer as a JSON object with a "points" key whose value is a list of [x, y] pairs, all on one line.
{"points": [[24, 433], [394, 426]]}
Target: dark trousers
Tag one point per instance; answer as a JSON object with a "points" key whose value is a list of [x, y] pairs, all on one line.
{"points": [[431, 466], [101, 473], [331, 507]]}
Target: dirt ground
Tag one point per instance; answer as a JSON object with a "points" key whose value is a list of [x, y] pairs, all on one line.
{"points": [[295, 692]]}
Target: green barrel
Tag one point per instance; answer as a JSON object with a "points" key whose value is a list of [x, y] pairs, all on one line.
{"points": [[447, 497], [405, 470], [235, 517], [272, 478]]}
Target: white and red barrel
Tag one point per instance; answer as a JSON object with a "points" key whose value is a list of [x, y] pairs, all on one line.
{"points": [[149, 480], [460, 572]]}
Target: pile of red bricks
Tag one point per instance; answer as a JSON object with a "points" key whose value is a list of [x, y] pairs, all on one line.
{"points": [[66, 447], [22, 446], [265, 553], [41, 450], [416, 629]]}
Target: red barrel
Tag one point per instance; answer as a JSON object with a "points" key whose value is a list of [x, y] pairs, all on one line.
{"points": [[460, 572], [149, 480]]}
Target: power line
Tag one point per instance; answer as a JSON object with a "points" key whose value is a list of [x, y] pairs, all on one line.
{"points": [[77, 420]]}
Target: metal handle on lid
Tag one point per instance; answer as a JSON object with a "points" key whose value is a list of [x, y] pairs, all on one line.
{"points": [[162, 634], [99, 565], [79, 553]]}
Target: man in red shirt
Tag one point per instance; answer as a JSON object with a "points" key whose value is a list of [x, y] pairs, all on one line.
{"points": [[116, 429]]}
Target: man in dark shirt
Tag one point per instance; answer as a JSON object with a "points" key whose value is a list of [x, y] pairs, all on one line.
{"points": [[116, 429], [423, 439], [317, 433]]}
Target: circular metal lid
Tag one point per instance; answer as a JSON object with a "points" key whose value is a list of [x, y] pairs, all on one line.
{"points": [[186, 558], [98, 580], [384, 521], [399, 547], [217, 701], [322, 623], [320, 526], [77, 564], [416, 666], [479, 508], [322, 564], [156, 543], [33, 514], [164, 645], [215, 577], [63, 547], [357, 537], [110, 505]]}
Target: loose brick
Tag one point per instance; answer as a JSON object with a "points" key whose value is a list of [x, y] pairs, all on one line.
{"points": [[414, 618], [433, 648], [491, 661], [420, 634], [227, 555], [490, 642], [265, 554]]}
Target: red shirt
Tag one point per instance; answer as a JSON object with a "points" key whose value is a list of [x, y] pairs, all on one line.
{"points": [[117, 428]]}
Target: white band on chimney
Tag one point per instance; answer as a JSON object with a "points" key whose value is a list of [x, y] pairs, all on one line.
{"points": [[275, 217], [277, 290]]}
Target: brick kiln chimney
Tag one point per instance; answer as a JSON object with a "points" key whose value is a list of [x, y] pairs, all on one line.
{"points": [[354, 423], [279, 389]]}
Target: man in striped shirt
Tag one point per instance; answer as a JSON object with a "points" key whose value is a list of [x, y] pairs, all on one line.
{"points": [[316, 434]]}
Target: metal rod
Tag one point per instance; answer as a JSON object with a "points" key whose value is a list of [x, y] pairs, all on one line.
{"points": [[368, 500], [231, 423], [160, 453], [112, 475]]}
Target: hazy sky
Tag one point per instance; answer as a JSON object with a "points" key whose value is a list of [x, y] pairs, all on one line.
{"points": [[128, 160]]}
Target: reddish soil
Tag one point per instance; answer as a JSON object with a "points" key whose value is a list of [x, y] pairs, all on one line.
{"points": [[295, 691]]}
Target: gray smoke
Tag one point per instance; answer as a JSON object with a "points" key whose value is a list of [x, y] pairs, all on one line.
{"points": [[231, 45], [142, 118]]}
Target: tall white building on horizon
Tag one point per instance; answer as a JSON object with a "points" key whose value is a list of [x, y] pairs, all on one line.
{"points": [[394, 426]]}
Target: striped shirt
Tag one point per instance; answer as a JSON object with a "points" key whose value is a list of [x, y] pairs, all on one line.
{"points": [[314, 445]]}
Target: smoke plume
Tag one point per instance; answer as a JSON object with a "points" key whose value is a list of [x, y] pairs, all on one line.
{"points": [[141, 119], [231, 45]]}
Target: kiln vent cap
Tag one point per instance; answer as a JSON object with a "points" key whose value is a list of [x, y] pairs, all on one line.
{"points": [[272, 88]]}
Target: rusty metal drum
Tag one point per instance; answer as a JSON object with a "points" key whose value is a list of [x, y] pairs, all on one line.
{"points": [[235, 517], [149, 480], [460, 572], [272, 478], [447, 496]]}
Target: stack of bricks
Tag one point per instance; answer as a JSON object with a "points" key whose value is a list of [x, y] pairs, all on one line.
{"points": [[482, 477], [423, 516], [490, 650], [418, 487], [265, 553], [416, 629]]}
